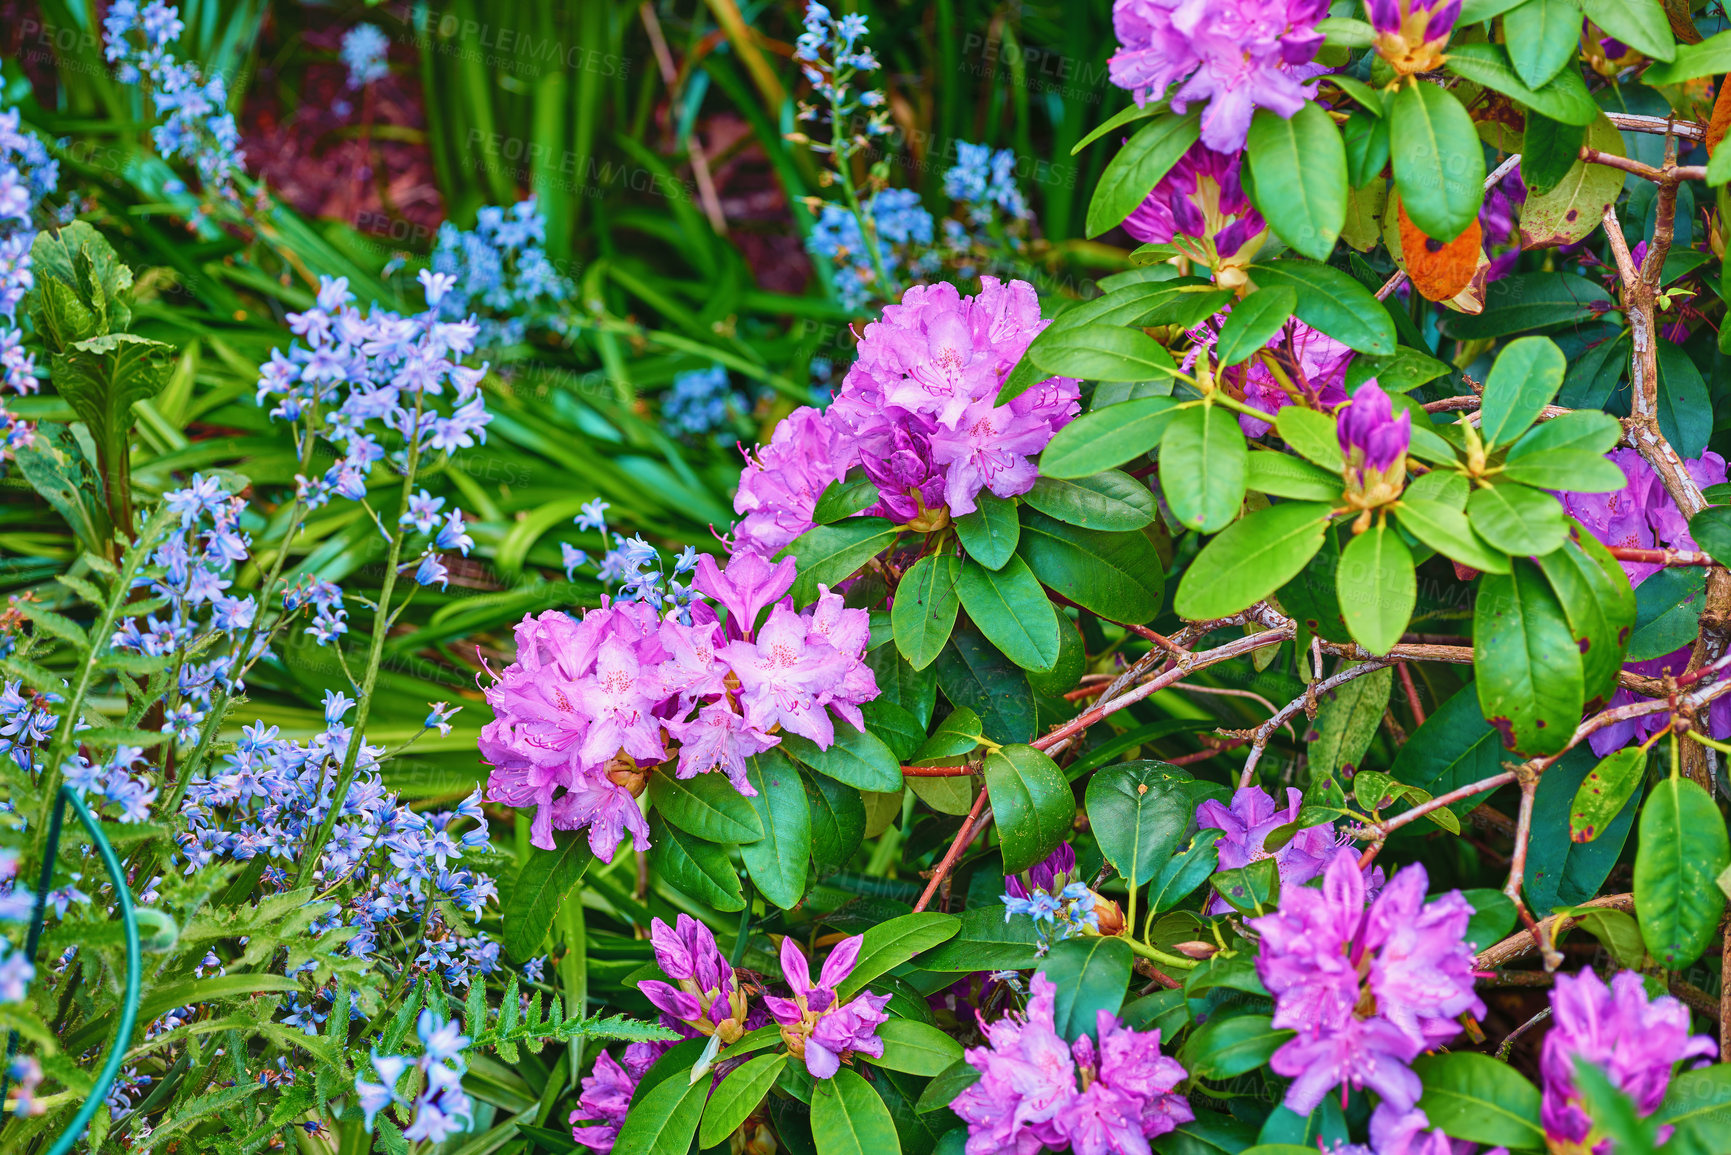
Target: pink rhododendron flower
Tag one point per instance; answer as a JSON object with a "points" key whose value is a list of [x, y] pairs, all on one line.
{"points": [[781, 482], [1234, 57], [815, 1024], [1249, 821], [1036, 1091], [606, 1095], [1200, 208], [1634, 1039], [1366, 988], [704, 997]]}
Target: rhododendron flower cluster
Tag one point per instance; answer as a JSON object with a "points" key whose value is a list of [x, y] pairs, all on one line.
{"points": [[1236, 57], [1634, 1039], [918, 411], [1298, 366], [707, 999], [1245, 827], [815, 1024], [1092, 1097], [1641, 515], [1410, 34], [1199, 207], [1367, 989], [592, 705]]}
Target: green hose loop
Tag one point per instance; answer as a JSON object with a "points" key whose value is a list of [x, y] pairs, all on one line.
{"points": [[134, 958]]}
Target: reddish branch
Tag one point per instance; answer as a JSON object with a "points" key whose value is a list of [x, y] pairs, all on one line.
{"points": [[1667, 557], [963, 837]]}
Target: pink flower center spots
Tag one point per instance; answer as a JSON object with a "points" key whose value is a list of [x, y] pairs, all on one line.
{"points": [[617, 682], [782, 656]]}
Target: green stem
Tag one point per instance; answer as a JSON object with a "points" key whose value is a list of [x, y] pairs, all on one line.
{"points": [[1176, 962], [867, 228]]}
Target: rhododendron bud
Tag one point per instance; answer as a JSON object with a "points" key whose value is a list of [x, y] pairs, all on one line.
{"points": [[707, 1000], [1199, 208], [1374, 440], [1410, 34]]}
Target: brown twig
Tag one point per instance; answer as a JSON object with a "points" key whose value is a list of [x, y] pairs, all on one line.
{"points": [[938, 771], [1553, 926], [1665, 557], [963, 837], [1259, 742], [1412, 698]]}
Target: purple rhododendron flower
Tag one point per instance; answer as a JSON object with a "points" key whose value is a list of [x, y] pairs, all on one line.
{"points": [[586, 711], [816, 1026], [1028, 1097], [920, 401], [707, 999], [1236, 57], [1200, 207], [1641, 515], [1371, 436], [1410, 34], [1634, 1039], [1246, 825], [781, 482], [1313, 363], [1367, 989], [1397, 1132], [606, 1095]]}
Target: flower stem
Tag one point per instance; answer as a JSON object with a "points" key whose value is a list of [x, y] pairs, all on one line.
{"points": [[1152, 954]]}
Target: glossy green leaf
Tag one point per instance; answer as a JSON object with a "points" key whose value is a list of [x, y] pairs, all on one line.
{"points": [[664, 1118], [1377, 587], [1347, 720], [1137, 167], [1549, 150], [1448, 532], [1104, 353], [848, 1117], [1117, 575], [857, 757], [1090, 974], [1529, 669], [1475, 1097], [707, 806], [546, 878], [1031, 804], [915, 1048], [1575, 470], [845, 498], [694, 866], [1315, 435], [1283, 475], [1439, 165], [1111, 501], [1601, 612], [1605, 791], [1542, 36], [1252, 559], [1641, 24], [737, 1096], [1561, 871], [1685, 410], [1333, 302], [1012, 611], [1524, 378], [973, 673], [1667, 613], [1518, 520], [986, 940], [1564, 99], [1682, 850], [1698, 1105], [1225, 1046], [837, 823], [1181, 874], [890, 944], [1250, 889], [1203, 466], [778, 861], [925, 608], [1574, 208], [1255, 320], [990, 532], [1139, 812], [1107, 437], [1693, 61], [1298, 166]]}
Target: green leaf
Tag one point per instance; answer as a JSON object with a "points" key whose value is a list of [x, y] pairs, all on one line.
{"points": [[1550, 149], [777, 861], [1011, 609], [1524, 378], [1448, 532], [975, 675], [857, 757], [1601, 612], [1181, 874], [991, 531], [1203, 463], [67, 476], [1493, 916], [924, 611], [837, 823], [1640, 24], [1581, 431], [1685, 410], [1250, 889], [546, 878], [1529, 669], [1107, 437], [1681, 851], [1560, 871], [986, 940], [1518, 520], [830, 554], [1031, 804], [1252, 559], [957, 735], [1333, 302], [1439, 164], [1298, 170], [1377, 586], [737, 1096], [915, 1048], [848, 1117], [1667, 613], [663, 1119], [1693, 61], [845, 498], [1255, 320], [102, 378], [1530, 301], [1110, 501], [1605, 791], [1698, 1105], [1225, 1046], [1315, 435], [1614, 1113], [1575, 470], [1542, 35], [1711, 529], [1575, 206], [1104, 353], [1474, 1097], [1090, 974], [1132, 174], [1116, 575], [1283, 475], [693, 866], [707, 806], [1564, 101], [1139, 812], [1347, 720], [1116, 121], [890, 944]]}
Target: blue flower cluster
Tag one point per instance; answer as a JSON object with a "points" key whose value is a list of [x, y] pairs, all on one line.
{"points": [[702, 401], [828, 50], [633, 569], [501, 270], [984, 182], [1058, 916], [904, 230], [440, 1106], [360, 376], [363, 53], [27, 175], [197, 124], [387, 867]]}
